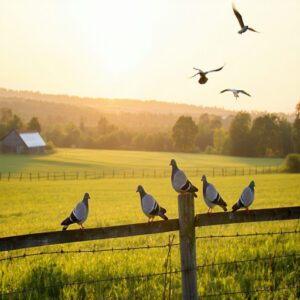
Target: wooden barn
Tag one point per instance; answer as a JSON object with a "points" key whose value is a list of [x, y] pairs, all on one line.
{"points": [[23, 142]]}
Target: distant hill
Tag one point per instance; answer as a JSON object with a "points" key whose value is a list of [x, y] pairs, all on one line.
{"points": [[126, 113]]}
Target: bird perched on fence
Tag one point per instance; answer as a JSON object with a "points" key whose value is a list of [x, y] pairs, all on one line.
{"points": [[246, 199], [150, 206], [180, 182], [235, 92], [211, 196], [79, 214], [203, 79], [244, 27]]}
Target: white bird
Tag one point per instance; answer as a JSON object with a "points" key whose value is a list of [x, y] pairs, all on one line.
{"points": [[180, 182], [203, 79], [235, 92], [150, 206], [211, 196], [79, 214], [244, 27], [246, 199]]}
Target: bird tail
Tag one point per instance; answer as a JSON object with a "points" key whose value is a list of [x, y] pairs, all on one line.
{"points": [[222, 203], [162, 212], [236, 206], [67, 222]]}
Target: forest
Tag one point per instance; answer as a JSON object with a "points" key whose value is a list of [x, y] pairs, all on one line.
{"points": [[266, 135]]}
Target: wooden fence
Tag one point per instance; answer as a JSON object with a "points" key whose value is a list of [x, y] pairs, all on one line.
{"points": [[185, 225], [136, 173]]}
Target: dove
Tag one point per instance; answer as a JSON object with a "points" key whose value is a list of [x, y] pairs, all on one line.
{"points": [[246, 199], [211, 196], [235, 92], [180, 182], [79, 214], [244, 27], [203, 79], [150, 206]]}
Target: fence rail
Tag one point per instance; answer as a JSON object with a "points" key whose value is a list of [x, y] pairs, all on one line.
{"points": [[136, 173], [61, 237]]}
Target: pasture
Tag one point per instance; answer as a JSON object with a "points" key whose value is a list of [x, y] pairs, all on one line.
{"points": [[29, 207]]}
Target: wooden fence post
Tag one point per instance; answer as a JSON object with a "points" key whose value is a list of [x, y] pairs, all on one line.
{"points": [[186, 213]]}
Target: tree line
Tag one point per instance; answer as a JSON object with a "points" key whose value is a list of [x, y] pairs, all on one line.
{"points": [[266, 135]]}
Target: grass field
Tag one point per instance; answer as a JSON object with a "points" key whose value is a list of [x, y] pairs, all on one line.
{"points": [[93, 160], [29, 207]]}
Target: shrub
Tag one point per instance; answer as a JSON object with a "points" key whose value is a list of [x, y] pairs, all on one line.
{"points": [[292, 163]]}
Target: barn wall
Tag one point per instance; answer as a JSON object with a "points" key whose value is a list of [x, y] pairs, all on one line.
{"points": [[13, 143]]}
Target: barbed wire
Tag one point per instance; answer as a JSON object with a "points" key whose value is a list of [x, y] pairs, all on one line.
{"points": [[238, 235], [82, 251], [259, 290], [149, 275], [146, 247]]}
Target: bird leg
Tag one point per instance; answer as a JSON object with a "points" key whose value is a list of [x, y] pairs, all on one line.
{"points": [[247, 210], [209, 211], [81, 227]]}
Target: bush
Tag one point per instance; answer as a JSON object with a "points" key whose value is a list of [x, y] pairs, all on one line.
{"points": [[292, 163]]}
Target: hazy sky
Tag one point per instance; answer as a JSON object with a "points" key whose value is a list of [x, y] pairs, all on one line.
{"points": [[147, 49]]}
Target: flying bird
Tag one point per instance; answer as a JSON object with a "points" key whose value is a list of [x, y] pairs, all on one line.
{"points": [[180, 182], [79, 214], [150, 206], [203, 79], [244, 27], [235, 92], [211, 196], [246, 199]]}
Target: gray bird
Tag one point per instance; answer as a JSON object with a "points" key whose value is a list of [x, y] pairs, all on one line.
{"points": [[79, 214], [150, 206], [235, 92], [211, 196], [244, 27], [246, 199], [180, 182], [203, 79]]}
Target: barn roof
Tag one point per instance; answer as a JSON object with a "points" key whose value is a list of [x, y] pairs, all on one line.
{"points": [[31, 139]]}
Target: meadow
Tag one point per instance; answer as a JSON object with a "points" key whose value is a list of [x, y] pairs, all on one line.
{"points": [[29, 207]]}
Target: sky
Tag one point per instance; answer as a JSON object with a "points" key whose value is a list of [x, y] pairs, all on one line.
{"points": [[138, 49]]}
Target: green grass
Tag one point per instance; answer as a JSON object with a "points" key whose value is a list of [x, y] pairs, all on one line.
{"points": [[67, 160], [29, 207]]}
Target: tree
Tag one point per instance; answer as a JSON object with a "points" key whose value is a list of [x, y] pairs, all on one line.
{"points": [[296, 130], [239, 135], [204, 136], [265, 133], [184, 133], [285, 137], [220, 138], [104, 127], [34, 125]]}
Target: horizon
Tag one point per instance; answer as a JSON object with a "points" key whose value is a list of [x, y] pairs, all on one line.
{"points": [[147, 51]]}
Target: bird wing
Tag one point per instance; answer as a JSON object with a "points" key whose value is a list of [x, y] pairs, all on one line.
{"points": [[200, 71], [80, 212], [148, 204], [238, 15], [179, 180], [251, 29], [227, 90], [195, 74], [211, 193], [216, 70], [247, 197], [243, 92]]}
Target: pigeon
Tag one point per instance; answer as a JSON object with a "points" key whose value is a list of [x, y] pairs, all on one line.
{"points": [[203, 79], [180, 182], [211, 196], [246, 198], [150, 206], [79, 214], [244, 27], [235, 92]]}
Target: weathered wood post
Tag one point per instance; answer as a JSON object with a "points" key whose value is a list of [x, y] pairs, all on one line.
{"points": [[186, 212]]}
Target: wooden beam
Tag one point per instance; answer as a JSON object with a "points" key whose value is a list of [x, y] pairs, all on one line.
{"points": [[241, 216], [70, 236]]}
